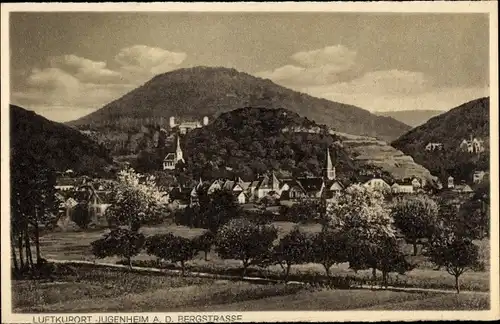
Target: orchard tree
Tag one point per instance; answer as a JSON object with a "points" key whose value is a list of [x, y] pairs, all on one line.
{"points": [[137, 200], [243, 240], [456, 253], [204, 243], [296, 247], [328, 248], [362, 216], [219, 208], [172, 248], [416, 217], [121, 242]]}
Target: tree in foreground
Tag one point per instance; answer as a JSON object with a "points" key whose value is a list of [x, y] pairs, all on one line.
{"points": [[172, 248], [328, 248], [456, 254], [294, 248], [416, 218], [137, 200], [204, 243], [243, 240], [362, 216], [121, 242]]}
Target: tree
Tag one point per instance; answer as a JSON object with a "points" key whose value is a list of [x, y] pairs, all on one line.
{"points": [[455, 253], [171, 247], [137, 200], [294, 248], [33, 205], [302, 212], [204, 243], [328, 248], [246, 241], [221, 208], [363, 218], [416, 217], [122, 242]]}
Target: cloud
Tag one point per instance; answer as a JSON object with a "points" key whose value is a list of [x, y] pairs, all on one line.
{"points": [[83, 85], [339, 56], [317, 67], [86, 70], [433, 99], [379, 83], [153, 60]]}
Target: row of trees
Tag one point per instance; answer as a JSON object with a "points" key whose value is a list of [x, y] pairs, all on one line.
{"points": [[359, 228], [32, 208]]}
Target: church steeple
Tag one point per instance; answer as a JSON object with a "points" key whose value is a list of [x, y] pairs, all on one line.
{"points": [[178, 152], [330, 168]]}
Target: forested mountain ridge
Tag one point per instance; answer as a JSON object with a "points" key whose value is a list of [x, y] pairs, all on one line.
{"points": [[59, 146], [192, 93], [465, 122], [251, 141]]}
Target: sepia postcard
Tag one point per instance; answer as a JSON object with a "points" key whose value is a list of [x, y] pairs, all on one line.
{"points": [[249, 162]]}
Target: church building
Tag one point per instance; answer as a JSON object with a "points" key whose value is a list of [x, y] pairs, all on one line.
{"points": [[172, 159]]}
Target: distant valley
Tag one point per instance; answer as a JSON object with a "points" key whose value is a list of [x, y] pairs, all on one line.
{"points": [[411, 118]]}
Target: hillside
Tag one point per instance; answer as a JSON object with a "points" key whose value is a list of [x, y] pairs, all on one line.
{"points": [[203, 91], [370, 151], [468, 120], [60, 146], [412, 118], [250, 141]]}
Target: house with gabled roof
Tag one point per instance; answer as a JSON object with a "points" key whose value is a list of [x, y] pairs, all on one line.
{"points": [[268, 184], [312, 186]]}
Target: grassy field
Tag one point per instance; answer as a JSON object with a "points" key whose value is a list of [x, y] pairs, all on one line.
{"points": [[76, 246], [113, 290]]}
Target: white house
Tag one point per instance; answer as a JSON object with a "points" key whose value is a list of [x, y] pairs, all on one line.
{"points": [[377, 184], [402, 188]]}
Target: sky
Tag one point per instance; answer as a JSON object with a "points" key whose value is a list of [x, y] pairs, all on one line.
{"points": [[66, 65]]}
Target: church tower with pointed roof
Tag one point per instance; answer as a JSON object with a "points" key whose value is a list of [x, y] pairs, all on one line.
{"points": [[329, 171]]}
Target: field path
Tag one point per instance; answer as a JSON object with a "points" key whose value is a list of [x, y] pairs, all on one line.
{"points": [[255, 279]]}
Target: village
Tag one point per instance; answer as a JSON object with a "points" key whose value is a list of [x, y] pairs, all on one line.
{"points": [[268, 188]]}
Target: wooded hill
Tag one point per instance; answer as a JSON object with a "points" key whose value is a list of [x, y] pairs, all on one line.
{"points": [[57, 145], [208, 91], [251, 141], [468, 120]]}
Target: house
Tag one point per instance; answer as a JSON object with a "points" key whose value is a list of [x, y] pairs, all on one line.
{"points": [[292, 190], [474, 145], [313, 187], [433, 146], [402, 188], [216, 185], [68, 183], [181, 196], [171, 160], [416, 183], [252, 189], [241, 197], [377, 184], [187, 126], [463, 188], [451, 183], [267, 184], [478, 176]]}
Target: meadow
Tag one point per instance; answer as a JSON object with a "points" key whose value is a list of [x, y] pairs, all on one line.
{"points": [[90, 289], [76, 246]]}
